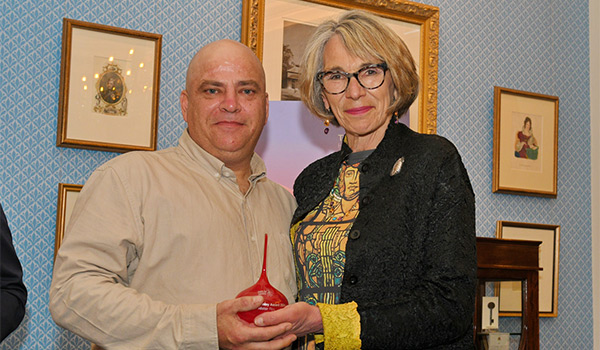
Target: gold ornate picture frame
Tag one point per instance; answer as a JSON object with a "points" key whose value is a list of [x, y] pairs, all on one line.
{"points": [[67, 196], [109, 87], [525, 143], [510, 292], [262, 31]]}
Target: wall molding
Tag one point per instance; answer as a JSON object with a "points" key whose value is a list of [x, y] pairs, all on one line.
{"points": [[594, 14]]}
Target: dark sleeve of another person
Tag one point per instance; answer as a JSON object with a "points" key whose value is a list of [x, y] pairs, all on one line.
{"points": [[13, 292]]}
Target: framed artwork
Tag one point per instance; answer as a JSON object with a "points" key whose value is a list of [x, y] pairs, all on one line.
{"points": [[525, 143], [109, 85], [67, 196], [277, 31], [510, 292]]}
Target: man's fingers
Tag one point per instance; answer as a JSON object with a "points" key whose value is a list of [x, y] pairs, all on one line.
{"points": [[247, 303], [274, 344], [271, 332], [282, 342]]}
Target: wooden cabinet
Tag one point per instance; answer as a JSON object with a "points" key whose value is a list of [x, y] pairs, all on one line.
{"points": [[510, 260]]}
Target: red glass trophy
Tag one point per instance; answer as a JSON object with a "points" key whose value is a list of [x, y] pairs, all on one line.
{"points": [[273, 299]]}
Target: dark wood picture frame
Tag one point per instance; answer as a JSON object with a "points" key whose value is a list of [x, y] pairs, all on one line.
{"points": [[109, 88], [549, 256], [67, 195]]}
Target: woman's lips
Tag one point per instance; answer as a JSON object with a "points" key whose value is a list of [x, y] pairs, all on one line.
{"points": [[359, 110]]}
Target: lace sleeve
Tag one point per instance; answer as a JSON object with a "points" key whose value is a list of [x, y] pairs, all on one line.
{"points": [[341, 326]]}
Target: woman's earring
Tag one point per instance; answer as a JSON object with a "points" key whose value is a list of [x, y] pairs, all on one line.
{"points": [[396, 117], [326, 131]]}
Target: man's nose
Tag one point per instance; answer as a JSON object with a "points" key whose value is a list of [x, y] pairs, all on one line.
{"points": [[230, 102]]}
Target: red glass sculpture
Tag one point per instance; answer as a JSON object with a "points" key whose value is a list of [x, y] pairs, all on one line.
{"points": [[273, 299]]}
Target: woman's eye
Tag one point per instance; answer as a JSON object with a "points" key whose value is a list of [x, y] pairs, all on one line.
{"points": [[335, 76], [370, 71]]}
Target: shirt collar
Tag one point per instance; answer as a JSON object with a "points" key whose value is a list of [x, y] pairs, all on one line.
{"points": [[215, 166]]}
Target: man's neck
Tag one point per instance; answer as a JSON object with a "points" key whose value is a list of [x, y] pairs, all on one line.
{"points": [[242, 180], [242, 174]]}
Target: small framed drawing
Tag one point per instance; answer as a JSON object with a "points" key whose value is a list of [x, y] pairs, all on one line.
{"points": [[510, 292], [67, 196], [525, 143], [277, 31], [109, 85]]}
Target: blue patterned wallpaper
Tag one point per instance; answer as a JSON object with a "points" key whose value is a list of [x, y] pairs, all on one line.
{"points": [[533, 45]]}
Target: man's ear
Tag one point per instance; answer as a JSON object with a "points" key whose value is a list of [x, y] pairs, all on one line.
{"points": [[183, 102], [266, 107]]}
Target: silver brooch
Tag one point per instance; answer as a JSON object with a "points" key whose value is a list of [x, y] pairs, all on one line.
{"points": [[397, 166]]}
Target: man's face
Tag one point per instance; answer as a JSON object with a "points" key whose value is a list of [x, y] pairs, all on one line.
{"points": [[225, 103]]}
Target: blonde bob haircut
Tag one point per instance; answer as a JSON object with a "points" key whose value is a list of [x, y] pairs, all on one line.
{"points": [[365, 36]]}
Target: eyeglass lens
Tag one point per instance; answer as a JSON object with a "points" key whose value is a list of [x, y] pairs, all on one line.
{"points": [[336, 82]]}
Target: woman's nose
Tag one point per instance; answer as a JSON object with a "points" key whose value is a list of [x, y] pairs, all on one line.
{"points": [[354, 89]]}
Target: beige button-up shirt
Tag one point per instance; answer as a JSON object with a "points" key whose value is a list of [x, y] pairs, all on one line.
{"points": [[156, 239]]}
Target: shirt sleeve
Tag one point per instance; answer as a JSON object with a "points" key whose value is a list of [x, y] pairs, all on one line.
{"points": [[13, 294], [90, 293]]}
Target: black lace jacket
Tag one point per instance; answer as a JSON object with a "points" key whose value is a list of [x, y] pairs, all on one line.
{"points": [[410, 257]]}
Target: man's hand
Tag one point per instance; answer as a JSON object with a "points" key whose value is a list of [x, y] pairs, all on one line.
{"points": [[304, 318], [235, 333]]}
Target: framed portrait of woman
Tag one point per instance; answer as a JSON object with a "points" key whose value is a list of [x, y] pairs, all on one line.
{"points": [[525, 143]]}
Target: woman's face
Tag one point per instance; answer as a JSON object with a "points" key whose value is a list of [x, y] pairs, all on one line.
{"points": [[361, 112]]}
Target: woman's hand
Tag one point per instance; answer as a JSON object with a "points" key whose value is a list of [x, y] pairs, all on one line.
{"points": [[305, 319]]}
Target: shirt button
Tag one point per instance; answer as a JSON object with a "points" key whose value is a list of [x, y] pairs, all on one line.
{"points": [[364, 168], [354, 234], [353, 279], [365, 200]]}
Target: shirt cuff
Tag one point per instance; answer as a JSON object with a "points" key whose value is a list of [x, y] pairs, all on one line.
{"points": [[200, 326], [341, 326]]}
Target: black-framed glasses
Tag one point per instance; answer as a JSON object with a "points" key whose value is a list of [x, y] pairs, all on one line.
{"points": [[370, 77]]}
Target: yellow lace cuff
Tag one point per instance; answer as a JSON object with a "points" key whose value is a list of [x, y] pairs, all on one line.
{"points": [[341, 326]]}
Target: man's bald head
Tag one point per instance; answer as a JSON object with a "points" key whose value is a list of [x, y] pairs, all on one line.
{"points": [[222, 51]]}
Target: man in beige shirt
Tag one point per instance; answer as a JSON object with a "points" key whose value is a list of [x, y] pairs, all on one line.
{"points": [[160, 243]]}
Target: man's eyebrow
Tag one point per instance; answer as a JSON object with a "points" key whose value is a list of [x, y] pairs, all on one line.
{"points": [[215, 83], [253, 83], [210, 83]]}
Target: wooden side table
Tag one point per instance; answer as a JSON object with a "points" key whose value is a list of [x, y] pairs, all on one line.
{"points": [[510, 260]]}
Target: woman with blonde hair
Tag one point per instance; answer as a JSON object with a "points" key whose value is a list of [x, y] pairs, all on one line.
{"points": [[395, 269]]}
